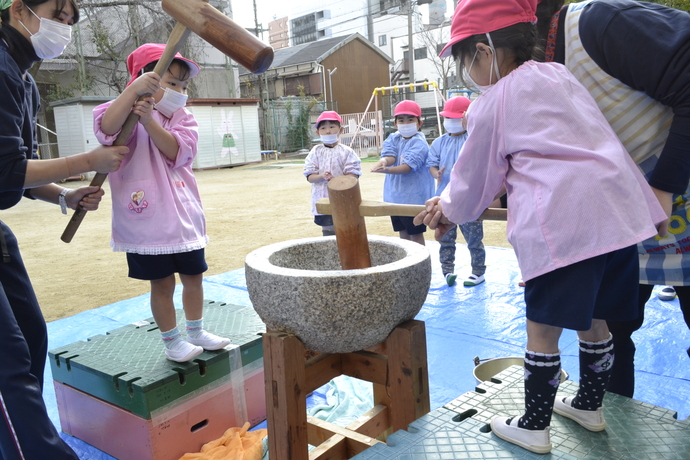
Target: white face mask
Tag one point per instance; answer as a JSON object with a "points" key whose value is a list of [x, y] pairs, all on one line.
{"points": [[171, 102], [51, 39], [494, 66], [329, 139], [453, 125], [407, 130]]}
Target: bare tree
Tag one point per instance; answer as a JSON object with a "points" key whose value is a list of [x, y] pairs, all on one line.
{"points": [[434, 40]]}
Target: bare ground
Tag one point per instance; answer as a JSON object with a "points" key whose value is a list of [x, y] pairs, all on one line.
{"points": [[247, 207]]}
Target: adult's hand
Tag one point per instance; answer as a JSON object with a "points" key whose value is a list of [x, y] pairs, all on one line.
{"points": [[88, 197], [104, 159]]}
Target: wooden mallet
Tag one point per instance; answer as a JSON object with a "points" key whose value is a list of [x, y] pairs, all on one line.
{"points": [[348, 210], [217, 29]]}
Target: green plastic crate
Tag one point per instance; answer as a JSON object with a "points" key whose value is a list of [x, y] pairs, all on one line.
{"points": [[127, 366]]}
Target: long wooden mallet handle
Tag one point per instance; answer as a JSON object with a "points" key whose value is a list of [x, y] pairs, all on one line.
{"points": [[381, 208], [177, 38], [350, 229]]}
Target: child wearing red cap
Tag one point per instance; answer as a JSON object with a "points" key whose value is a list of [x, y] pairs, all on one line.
{"points": [[536, 131], [158, 219], [403, 160], [326, 161], [443, 154]]}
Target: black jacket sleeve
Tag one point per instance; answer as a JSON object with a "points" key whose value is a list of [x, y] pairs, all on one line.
{"points": [[17, 142], [647, 47]]}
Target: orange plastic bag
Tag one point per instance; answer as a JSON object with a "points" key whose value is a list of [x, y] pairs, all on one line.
{"points": [[235, 444]]}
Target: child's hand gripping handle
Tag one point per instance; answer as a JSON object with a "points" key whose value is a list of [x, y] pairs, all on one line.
{"points": [[177, 38]]}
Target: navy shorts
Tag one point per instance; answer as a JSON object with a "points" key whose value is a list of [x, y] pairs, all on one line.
{"points": [[155, 267], [401, 223], [324, 220], [603, 287]]}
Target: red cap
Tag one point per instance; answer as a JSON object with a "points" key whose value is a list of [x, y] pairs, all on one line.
{"points": [[473, 17], [328, 115], [408, 108], [455, 107], [150, 52]]}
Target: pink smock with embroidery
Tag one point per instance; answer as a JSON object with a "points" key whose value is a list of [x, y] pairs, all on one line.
{"points": [[573, 191], [156, 203]]}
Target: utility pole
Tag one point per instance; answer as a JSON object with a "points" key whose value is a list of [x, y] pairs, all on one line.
{"points": [[410, 42]]}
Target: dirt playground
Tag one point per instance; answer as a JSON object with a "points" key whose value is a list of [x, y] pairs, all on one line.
{"points": [[247, 207]]}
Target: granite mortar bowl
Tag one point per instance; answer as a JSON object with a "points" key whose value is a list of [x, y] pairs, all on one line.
{"points": [[298, 287]]}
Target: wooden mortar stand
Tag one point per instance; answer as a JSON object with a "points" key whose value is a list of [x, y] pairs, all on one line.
{"points": [[397, 369]]}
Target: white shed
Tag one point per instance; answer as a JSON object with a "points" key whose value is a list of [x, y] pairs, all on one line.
{"points": [[228, 132], [74, 124], [228, 129]]}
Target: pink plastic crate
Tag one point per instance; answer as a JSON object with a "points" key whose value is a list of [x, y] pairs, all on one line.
{"points": [[170, 434]]}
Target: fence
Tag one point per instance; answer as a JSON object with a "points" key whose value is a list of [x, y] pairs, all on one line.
{"points": [[289, 123], [369, 138]]}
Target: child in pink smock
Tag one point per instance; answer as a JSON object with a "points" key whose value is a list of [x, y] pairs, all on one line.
{"points": [[328, 160], [158, 219], [537, 131]]}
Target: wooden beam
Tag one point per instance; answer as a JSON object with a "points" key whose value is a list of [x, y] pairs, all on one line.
{"points": [[321, 369], [373, 422], [365, 365], [321, 430]]}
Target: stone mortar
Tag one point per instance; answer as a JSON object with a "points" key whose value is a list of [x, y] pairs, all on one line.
{"points": [[298, 287]]}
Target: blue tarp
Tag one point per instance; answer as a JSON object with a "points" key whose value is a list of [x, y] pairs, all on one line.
{"points": [[486, 321]]}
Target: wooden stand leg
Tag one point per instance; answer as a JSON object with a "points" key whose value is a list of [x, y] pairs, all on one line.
{"points": [[286, 399], [397, 368]]}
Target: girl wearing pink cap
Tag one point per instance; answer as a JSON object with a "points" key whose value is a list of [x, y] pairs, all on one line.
{"points": [[158, 219], [537, 132], [328, 160]]}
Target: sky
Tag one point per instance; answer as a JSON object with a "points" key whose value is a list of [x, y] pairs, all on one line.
{"points": [[243, 11]]}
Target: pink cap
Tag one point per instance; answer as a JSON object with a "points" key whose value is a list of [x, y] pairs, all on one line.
{"points": [[328, 115], [150, 52], [455, 107], [408, 108], [473, 17]]}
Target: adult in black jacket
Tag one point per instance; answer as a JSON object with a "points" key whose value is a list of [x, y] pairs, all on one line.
{"points": [[634, 58], [31, 28]]}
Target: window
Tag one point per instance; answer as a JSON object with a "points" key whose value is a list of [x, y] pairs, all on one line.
{"points": [[382, 40], [419, 53]]}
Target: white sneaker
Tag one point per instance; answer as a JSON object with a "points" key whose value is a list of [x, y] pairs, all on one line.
{"points": [[536, 441], [209, 341], [450, 278], [183, 351], [593, 420], [473, 280]]}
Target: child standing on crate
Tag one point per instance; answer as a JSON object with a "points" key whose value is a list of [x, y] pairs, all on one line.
{"points": [[158, 219], [326, 161], [537, 131], [443, 153], [403, 160]]}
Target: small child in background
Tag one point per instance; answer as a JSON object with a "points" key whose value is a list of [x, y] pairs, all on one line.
{"points": [[537, 131], [443, 154], [326, 161], [403, 160], [158, 219]]}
